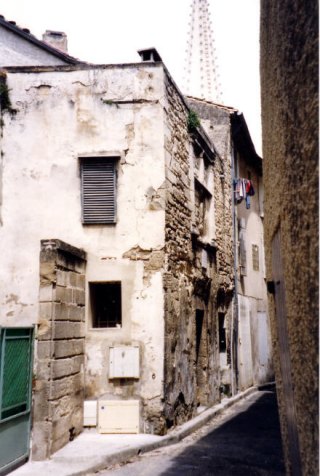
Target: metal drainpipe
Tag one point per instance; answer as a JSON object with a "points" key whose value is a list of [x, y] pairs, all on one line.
{"points": [[234, 319]]}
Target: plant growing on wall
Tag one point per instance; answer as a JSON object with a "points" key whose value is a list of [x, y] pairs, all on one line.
{"points": [[193, 121], [5, 102]]}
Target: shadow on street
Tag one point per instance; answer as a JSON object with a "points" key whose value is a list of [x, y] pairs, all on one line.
{"points": [[249, 444]]}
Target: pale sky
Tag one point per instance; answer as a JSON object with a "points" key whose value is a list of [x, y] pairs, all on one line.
{"points": [[111, 31]]}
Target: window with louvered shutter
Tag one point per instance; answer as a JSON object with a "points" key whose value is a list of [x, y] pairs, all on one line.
{"points": [[255, 257], [98, 183]]}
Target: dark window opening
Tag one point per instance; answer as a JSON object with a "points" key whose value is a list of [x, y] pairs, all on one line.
{"points": [[222, 333], [199, 324], [105, 302]]}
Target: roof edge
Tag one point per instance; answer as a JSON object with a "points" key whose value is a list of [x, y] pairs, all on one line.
{"points": [[243, 141], [23, 33]]}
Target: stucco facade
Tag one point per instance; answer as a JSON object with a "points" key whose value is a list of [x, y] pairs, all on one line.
{"points": [[289, 88], [129, 128]]}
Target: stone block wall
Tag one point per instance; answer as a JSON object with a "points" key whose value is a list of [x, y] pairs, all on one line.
{"points": [[216, 122], [58, 385], [179, 374], [191, 367]]}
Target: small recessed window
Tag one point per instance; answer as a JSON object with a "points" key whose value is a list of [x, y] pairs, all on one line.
{"points": [[105, 303]]}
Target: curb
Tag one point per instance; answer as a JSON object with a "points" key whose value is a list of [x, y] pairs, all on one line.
{"points": [[171, 439]]}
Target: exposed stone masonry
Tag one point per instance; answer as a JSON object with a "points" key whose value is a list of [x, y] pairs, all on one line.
{"points": [[192, 287], [179, 391], [216, 122], [58, 387]]}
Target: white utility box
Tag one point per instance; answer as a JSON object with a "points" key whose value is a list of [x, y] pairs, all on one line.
{"points": [[124, 362], [90, 413], [118, 416]]}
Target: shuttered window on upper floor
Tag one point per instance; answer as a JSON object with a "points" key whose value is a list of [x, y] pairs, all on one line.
{"points": [[98, 190]]}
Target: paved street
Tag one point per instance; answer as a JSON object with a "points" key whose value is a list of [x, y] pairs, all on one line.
{"points": [[243, 441]]}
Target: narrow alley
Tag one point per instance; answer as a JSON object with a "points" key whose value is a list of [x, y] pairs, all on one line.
{"points": [[244, 441], [159, 229]]}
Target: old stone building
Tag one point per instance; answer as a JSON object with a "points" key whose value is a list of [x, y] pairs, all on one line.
{"points": [[117, 220], [289, 88], [248, 326], [125, 300]]}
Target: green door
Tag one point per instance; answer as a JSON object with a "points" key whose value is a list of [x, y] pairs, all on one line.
{"points": [[16, 346]]}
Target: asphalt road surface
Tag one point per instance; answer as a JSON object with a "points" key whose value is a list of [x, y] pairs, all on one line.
{"points": [[243, 441]]}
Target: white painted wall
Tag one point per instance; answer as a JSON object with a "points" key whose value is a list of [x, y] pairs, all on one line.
{"points": [[263, 369], [244, 343], [253, 284], [252, 287], [61, 117]]}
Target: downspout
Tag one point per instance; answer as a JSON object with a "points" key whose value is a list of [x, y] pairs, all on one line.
{"points": [[234, 314]]}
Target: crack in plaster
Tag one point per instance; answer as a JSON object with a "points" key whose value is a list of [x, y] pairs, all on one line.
{"points": [[39, 86]]}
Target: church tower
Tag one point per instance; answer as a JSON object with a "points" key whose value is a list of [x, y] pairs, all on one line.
{"points": [[201, 77]]}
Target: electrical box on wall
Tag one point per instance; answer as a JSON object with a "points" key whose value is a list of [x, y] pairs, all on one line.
{"points": [[90, 413], [124, 362], [118, 416]]}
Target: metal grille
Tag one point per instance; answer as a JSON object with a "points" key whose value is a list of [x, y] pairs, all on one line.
{"points": [[15, 372], [98, 191]]}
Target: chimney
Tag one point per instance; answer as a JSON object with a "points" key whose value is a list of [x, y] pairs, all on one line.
{"points": [[57, 39], [150, 55]]}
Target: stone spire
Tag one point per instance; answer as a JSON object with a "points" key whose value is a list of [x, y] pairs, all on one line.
{"points": [[201, 76]]}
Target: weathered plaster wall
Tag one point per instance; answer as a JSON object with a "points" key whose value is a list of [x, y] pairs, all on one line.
{"points": [[253, 285], [289, 88], [16, 51], [61, 116]]}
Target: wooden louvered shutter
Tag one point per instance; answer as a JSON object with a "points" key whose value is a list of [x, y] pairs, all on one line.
{"points": [[98, 182]]}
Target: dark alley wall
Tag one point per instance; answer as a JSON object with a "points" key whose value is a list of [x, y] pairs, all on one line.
{"points": [[289, 91]]}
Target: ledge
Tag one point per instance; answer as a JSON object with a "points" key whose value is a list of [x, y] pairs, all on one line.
{"points": [[59, 245]]}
